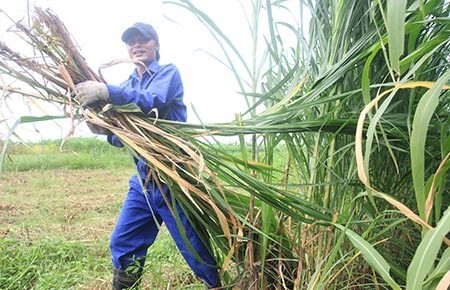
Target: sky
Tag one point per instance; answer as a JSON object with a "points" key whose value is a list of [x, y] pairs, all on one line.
{"points": [[97, 27]]}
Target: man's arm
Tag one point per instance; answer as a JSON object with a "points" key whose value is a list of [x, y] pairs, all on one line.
{"points": [[158, 93]]}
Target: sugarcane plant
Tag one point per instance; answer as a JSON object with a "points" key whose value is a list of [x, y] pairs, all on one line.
{"points": [[367, 79], [341, 178]]}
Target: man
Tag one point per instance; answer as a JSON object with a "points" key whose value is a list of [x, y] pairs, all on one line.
{"points": [[150, 86]]}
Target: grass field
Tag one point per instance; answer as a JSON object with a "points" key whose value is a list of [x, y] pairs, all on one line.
{"points": [[57, 210]]}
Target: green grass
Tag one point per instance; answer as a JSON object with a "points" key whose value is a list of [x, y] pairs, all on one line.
{"points": [[51, 264], [55, 219], [77, 153]]}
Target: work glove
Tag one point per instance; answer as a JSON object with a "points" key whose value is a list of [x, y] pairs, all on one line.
{"points": [[89, 92]]}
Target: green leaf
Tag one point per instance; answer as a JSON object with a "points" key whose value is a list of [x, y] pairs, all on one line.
{"points": [[422, 117], [396, 10], [426, 254], [442, 267], [372, 256], [128, 108]]}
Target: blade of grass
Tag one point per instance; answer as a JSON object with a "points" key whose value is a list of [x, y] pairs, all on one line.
{"points": [[424, 112], [395, 25], [372, 256], [426, 253]]}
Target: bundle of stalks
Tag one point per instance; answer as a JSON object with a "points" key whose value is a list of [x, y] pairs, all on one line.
{"points": [[52, 75]]}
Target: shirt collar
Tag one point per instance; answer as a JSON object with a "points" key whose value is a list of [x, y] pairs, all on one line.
{"points": [[152, 67]]}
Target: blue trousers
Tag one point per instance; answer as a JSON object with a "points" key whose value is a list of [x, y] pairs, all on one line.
{"points": [[137, 228]]}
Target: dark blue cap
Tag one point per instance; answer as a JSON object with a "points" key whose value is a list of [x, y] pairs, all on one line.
{"points": [[144, 29]]}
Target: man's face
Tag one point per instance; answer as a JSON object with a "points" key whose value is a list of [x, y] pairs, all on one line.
{"points": [[142, 49]]}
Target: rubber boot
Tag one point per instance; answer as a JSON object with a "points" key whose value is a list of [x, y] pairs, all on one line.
{"points": [[217, 286], [125, 280]]}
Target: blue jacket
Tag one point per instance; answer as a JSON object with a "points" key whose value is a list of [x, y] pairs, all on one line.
{"points": [[161, 88]]}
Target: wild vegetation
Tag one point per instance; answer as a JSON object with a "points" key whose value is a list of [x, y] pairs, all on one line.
{"points": [[358, 105], [360, 102], [57, 210]]}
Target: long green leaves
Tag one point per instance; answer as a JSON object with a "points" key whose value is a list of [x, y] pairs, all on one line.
{"points": [[426, 253], [422, 117]]}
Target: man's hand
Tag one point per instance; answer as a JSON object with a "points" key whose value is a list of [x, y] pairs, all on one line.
{"points": [[89, 92]]}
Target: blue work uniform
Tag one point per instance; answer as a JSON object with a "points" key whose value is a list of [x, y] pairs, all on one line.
{"points": [[137, 226]]}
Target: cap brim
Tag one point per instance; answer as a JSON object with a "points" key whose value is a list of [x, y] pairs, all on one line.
{"points": [[129, 33]]}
